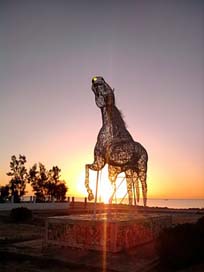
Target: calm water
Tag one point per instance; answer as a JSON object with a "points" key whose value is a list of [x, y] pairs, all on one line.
{"points": [[176, 203], [170, 203]]}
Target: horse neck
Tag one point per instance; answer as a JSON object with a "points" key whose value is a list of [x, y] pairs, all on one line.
{"points": [[111, 116]]}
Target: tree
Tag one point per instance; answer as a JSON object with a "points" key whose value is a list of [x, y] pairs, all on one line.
{"points": [[38, 179], [60, 191], [56, 187], [4, 193], [19, 176], [47, 184]]}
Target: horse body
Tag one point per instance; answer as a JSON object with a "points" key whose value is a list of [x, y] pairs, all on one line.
{"points": [[115, 146]]}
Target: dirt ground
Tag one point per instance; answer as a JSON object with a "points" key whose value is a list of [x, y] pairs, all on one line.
{"points": [[28, 266], [11, 233]]}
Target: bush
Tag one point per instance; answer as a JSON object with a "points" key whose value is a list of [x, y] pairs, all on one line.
{"points": [[20, 214], [200, 234], [182, 245]]}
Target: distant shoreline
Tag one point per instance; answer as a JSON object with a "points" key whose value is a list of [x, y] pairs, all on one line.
{"points": [[151, 202]]}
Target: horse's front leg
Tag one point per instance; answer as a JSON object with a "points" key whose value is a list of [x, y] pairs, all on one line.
{"points": [[89, 191], [96, 166]]}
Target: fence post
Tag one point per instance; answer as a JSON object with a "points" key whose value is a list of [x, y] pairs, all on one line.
{"points": [[73, 200], [85, 202]]}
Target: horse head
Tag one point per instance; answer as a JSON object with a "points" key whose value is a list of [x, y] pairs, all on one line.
{"points": [[104, 95]]}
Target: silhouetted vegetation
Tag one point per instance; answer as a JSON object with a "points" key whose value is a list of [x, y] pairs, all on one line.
{"points": [[19, 176], [20, 214], [182, 245], [38, 179], [47, 184], [4, 193]]}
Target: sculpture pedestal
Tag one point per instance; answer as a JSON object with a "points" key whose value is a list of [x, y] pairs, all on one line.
{"points": [[107, 231]]}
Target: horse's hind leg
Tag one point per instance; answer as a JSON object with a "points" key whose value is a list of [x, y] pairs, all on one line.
{"points": [[142, 166], [136, 185], [143, 178], [113, 172], [129, 181]]}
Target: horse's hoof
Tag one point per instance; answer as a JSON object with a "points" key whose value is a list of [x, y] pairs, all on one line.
{"points": [[90, 196]]}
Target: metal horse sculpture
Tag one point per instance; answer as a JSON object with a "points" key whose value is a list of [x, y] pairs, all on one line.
{"points": [[116, 147]]}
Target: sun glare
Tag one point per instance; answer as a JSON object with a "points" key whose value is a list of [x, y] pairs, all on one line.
{"points": [[105, 188]]}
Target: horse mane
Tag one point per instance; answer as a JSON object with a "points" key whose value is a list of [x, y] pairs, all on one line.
{"points": [[118, 117]]}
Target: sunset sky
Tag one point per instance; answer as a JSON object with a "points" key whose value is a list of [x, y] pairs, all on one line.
{"points": [[151, 52]]}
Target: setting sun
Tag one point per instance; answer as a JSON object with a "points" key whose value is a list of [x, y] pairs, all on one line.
{"points": [[105, 188]]}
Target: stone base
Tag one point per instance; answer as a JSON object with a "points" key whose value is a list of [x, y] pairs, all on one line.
{"points": [[110, 232]]}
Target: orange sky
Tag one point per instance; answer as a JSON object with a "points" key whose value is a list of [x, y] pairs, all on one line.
{"points": [[150, 52], [167, 177]]}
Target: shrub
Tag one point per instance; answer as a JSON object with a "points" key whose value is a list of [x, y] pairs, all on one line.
{"points": [[20, 214], [182, 245], [200, 234]]}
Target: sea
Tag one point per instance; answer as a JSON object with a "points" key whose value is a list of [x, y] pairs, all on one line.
{"points": [[156, 202], [169, 203]]}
